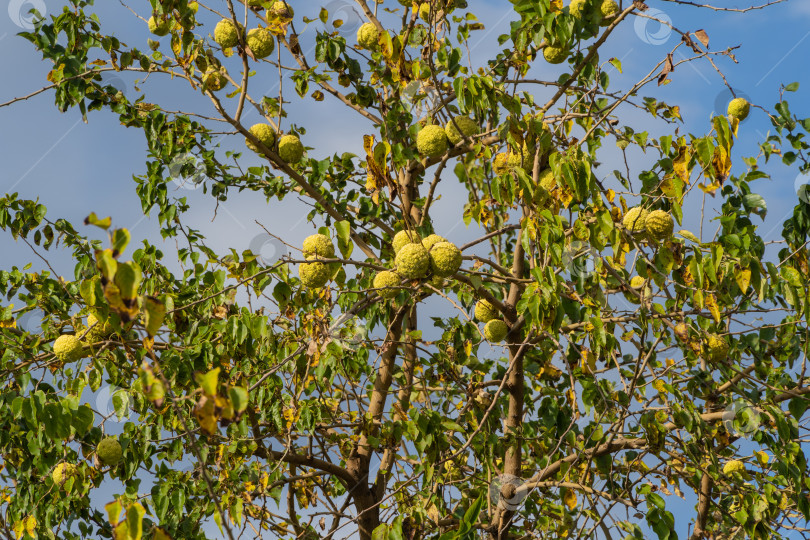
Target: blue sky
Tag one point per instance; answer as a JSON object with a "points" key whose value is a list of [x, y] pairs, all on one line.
{"points": [[75, 168]]}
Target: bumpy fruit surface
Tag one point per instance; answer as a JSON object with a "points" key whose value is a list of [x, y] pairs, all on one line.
{"points": [[659, 224], [485, 312], [261, 42], [547, 181], [158, 27], [214, 80], [263, 132], [500, 163], [734, 466], [495, 331], [431, 141], [384, 280], [635, 220], [715, 349], [577, 7], [62, 472], [555, 55], [290, 149], [739, 108], [412, 261], [109, 451], [320, 245], [226, 33], [315, 274], [609, 10], [432, 240], [281, 9], [403, 238], [466, 125], [367, 36], [445, 259], [67, 348], [96, 329]]}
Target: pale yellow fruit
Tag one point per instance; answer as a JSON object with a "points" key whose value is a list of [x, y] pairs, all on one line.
{"points": [[265, 134], [368, 36], [495, 331], [739, 108], [659, 224], [67, 348], [385, 281], [402, 238], [635, 220], [412, 261], [485, 311], [715, 349], [431, 141]]}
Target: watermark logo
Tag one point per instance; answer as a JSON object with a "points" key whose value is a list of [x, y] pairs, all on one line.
{"points": [[31, 321], [187, 171], [503, 492], [654, 27], [578, 258], [20, 12], [802, 186], [724, 98], [420, 99], [741, 419], [350, 334], [344, 17], [111, 78], [113, 403], [267, 249]]}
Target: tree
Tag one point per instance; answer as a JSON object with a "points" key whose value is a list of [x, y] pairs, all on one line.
{"points": [[620, 362]]}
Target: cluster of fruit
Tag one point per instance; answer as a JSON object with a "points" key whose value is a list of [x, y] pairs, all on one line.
{"points": [[290, 148]]}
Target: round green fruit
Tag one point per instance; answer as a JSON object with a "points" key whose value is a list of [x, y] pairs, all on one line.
{"points": [[67, 348], [576, 8], [715, 349], [555, 55], [318, 245], [460, 127], [158, 27], [261, 42], [659, 224], [734, 466], [485, 311], [367, 36], [403, 238], [495, 331], [635, 220], [226, 33], [445, 259], [290, 149], [412, 261], [96, 330], [62, 473], [431, 141], [315, 274], [432, 240], [265, 134], [385, 281], [281, 10], [609, 9], [214, 80], [109, 451], [739, 108], [637, 283]]}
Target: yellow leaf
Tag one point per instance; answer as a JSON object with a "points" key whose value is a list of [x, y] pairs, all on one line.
{"points": [[160, 534], [30, 526], [611, 195], [570, 499], [743, 278], [762, 457], [660, 386], [681, 164], [555, 5], [711, 303], [588, 361]]}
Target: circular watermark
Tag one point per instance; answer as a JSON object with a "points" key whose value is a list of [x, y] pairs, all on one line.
{"points": [[741, 418], [420, 99], [111, 78], [344, 17], [503, 492], [802, 186], [350, 334], [267, 249], [187, 171], [724, 98], [113, 403], [578, 258], [654, 27], [20, 12], [31, 321]]}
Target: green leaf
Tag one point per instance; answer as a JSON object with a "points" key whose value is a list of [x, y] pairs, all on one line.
{"points": [[239, 398], [93, 219], [135, 514]]}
